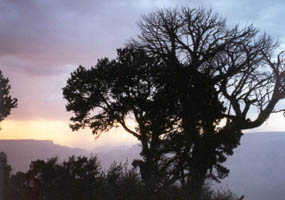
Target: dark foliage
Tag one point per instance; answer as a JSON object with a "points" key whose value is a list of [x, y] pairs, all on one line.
{"points": [[76, 178], [5, 171], [82, 178], [6, 101], [184, 73], [174, 119]]}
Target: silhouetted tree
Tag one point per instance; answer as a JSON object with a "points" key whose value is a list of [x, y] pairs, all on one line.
{"points": [[76, 178], [133, 86], [81, 176], [122, 183], [18, 188], [6, 101], [175, 81], [239, 64]]}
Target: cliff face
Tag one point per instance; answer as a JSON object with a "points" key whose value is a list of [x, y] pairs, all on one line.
{"points": [[21, 152]]}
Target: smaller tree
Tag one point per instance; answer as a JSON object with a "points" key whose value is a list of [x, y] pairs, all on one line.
{"points": [[18, 187], [6, 101], [76, 178], [5, 171], [83, 178]]}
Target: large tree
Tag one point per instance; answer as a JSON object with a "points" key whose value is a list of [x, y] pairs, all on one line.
{"points": [[133, 86], [175, 81], [238, 61], [6, 101]]}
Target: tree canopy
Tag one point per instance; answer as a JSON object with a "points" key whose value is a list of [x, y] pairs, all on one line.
{"points": [[240, 61]]}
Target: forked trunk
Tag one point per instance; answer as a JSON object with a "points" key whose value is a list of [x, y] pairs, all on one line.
{"points": [[196, 182]]}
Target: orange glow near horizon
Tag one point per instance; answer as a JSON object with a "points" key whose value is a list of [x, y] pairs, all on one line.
{"points": [[60, 133]]}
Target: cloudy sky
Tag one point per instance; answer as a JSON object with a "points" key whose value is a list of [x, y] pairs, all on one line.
{"points": [[43, 41]]}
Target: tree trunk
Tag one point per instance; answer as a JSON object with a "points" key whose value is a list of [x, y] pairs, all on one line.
{"points": [[148, 166], [195, 184]]}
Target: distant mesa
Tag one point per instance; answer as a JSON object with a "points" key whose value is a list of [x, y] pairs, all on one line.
{"points": [[21, 152]]}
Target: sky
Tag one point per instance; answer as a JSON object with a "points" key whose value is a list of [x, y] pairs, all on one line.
{"points": [[43, 41]]}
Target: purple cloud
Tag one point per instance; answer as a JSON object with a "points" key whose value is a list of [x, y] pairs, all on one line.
{"points": [[42, 41]]}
